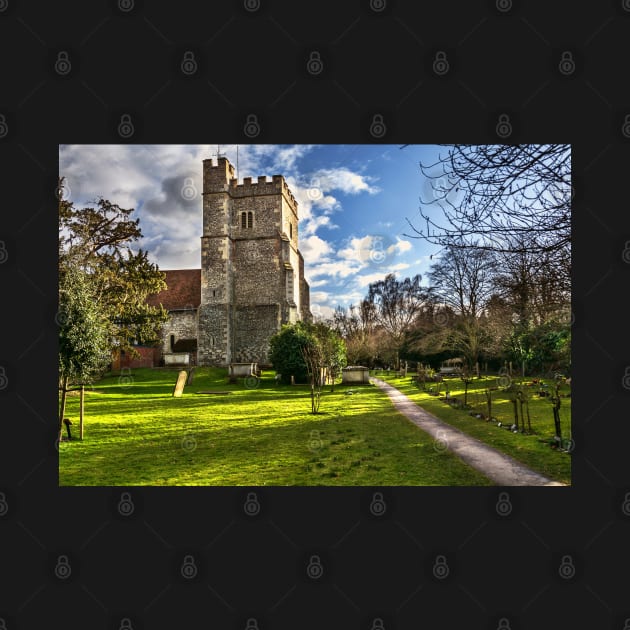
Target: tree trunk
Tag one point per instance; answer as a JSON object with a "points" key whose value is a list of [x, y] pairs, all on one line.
{"points": [[81, 412]]}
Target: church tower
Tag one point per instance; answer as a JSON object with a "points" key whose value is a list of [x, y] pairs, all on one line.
{"points": [[214, 340], [252, 273]]}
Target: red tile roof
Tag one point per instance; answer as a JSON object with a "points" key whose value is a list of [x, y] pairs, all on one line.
{"points": [[183, 290]]}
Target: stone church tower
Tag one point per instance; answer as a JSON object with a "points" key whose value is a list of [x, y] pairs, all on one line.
{"points": [[252, 273]]}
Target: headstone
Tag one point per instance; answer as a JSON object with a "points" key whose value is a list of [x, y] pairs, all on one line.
{"points": [[191, 376], [179, 386]]}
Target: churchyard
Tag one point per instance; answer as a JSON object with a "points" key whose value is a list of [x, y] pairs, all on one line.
{"points": [[258, 432]]}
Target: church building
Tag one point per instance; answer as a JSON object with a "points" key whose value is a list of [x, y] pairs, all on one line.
{"points": [[251, 279]]}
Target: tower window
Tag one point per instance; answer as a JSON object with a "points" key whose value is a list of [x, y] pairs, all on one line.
{"points": [[290, 230], [247, 220]]}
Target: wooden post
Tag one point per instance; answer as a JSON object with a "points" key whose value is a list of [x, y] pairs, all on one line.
{"points": [[81, 411], [489, 401], [477, 368], [62, 409]]}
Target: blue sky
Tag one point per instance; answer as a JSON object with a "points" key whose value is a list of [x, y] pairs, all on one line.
{"points": [[353, 201]]}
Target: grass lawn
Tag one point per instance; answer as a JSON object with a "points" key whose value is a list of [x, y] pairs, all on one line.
{"points": [[136, 433], [533, 450]]}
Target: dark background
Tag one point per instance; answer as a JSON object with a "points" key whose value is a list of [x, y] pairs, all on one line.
{"points": [[375, 59]]}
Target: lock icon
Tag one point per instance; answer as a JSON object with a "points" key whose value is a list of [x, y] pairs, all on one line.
{"points": [[189, 192], [4, 379], [62, 568], [189, 568], [504, 126], [125, 379], [62, 64], [315, 442], [440, 568], [251, 5], [504, 624], [314, 64], [378, 505], [126, 5], [378, 5], [567, 64], [625, 506], [314, 570], [504, 506], [315, 191], [251, 624], [377, 252], [625, 255], [125, 505], [125, 624], [504, 5], [625, 128], [4, 506], [567, 568], [626, 378], [440, 63], [251, 506], [252, 127], [125, 126], [377, 624], [189, 63], [378, 128], [4, 128], [63, 192]]}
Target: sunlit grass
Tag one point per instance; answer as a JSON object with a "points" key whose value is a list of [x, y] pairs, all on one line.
{"points": [[137, 433]]}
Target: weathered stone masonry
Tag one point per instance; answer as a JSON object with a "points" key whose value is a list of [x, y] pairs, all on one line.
{"points": [[252, 273]]}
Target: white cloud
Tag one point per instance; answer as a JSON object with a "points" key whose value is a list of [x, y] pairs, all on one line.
{"points": [[400, 246], [343, 179], [314, 249]]}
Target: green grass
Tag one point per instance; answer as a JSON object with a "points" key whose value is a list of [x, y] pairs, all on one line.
{"points": [[136, 433], [533, 450]]}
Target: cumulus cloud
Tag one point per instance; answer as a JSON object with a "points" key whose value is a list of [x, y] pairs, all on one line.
{"points": [[342, 179]]}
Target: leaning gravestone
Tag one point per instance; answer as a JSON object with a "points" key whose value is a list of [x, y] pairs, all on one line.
{"points": [[179, 386]]}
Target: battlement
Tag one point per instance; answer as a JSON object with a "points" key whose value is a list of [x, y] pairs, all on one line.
{"points": [[277, 185]]}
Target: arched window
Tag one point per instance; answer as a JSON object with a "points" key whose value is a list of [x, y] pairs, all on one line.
{"points": [[243, 220]]}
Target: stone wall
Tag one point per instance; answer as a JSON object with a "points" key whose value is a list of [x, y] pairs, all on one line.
{"points": [[253, 327], [180, 324], [214, 333]]}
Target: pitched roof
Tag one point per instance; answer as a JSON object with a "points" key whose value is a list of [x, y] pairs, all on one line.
{"points": [[183, 290]]}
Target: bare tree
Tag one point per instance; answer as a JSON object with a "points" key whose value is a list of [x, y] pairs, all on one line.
{"points": [[396, 304], [491, 193], [463, 279]]}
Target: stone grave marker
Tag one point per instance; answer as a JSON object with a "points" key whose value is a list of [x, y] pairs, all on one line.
{"points": [[191, 376], [179, 386]]}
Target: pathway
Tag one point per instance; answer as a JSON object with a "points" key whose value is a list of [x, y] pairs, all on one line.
{"points": [[500, 468]]}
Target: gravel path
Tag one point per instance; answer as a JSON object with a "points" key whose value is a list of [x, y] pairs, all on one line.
{"points": [[500, 468]]}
